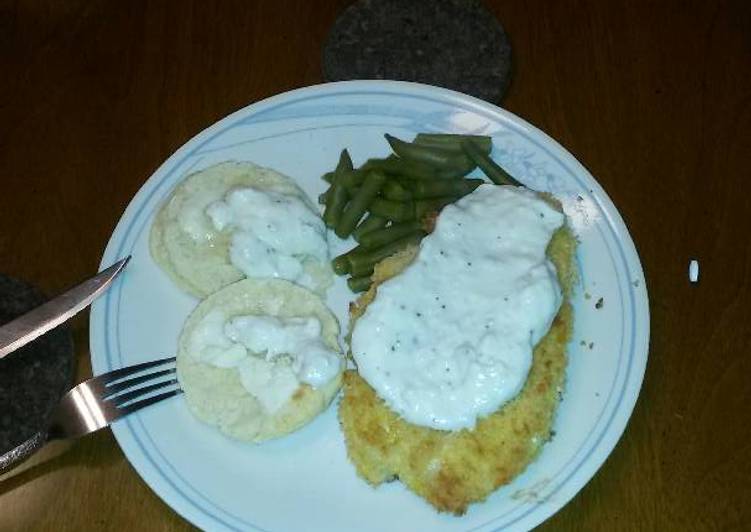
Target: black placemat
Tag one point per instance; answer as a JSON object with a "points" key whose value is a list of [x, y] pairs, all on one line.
{"points": [[34, 378], [457, 44]]}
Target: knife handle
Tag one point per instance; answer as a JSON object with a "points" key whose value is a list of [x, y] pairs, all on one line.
{"points": [[20, 454]]}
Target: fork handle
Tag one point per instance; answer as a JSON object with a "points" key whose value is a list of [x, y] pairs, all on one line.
{"points": [[16, 456]]}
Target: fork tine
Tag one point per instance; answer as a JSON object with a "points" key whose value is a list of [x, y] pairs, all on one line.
{"points": [[92, 405], [132, 407], [112, 389], [126, 397], [118, 374]]}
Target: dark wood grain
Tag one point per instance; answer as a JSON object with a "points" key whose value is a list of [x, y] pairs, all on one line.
{"points": [[653, 97]]}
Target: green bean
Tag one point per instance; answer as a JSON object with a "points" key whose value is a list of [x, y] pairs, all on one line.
{"points": [[453, 142], [409, 169], [396, 211], [377, 163], [391, 189], [359, 284], [359, 203], [371, 223], [490, 168], [394, 191], [362, 262], [345, 163], [336, 198], [394, 165], [427, 206], [362, 270], [436, 189], [381, 237], [340, 264], [353, 179], [436, 157], [452, 172], [343, 167]]}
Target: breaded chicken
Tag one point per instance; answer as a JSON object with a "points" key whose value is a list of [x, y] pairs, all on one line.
{"points": [[453, 469]]}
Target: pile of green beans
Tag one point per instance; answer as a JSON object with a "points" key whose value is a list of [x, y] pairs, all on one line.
{"points": [[385, 204]]}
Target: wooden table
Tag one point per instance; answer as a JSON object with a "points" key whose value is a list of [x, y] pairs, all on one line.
{"points": [[653, 97]]}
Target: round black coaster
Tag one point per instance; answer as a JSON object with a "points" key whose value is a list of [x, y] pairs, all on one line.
{"points": [[35, 377], [457, 44]]}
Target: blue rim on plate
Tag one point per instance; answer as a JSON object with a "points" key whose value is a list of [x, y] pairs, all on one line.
{"points": [[381, 105]]}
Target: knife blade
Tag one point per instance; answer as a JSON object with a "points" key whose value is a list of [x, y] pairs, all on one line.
{"points": [[36, 322]]}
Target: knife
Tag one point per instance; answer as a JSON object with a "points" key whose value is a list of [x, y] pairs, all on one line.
{"points": [[36, 322]]}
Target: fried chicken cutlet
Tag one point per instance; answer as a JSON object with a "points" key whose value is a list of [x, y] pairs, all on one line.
{"points": [[452, 469]]}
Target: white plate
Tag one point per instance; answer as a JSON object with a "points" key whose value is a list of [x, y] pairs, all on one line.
{"points": [[304, 481]]}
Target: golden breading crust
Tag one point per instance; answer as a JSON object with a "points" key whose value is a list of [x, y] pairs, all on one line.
{"points": [[453, 469]]}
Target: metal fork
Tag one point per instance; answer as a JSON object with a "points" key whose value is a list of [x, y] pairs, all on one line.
{"points": [[97, 402]]}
